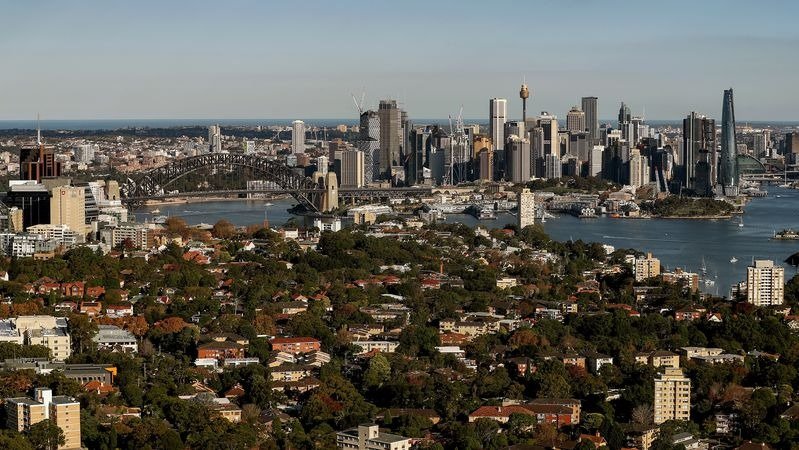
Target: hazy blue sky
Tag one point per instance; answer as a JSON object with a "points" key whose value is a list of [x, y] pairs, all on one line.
{"points": [[302, 59]]}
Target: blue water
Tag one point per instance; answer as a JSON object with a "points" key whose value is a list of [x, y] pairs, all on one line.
{"points": [[677, 243]]}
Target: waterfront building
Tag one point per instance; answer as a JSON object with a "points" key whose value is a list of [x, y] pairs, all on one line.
{"points": [[391, 137], [672, 396], [591, 119], [297, 137], [765, 283], [525, 213], [728, 165], [646, 267], [575, 119], [699, 156], [63, 411], [498, 114]]}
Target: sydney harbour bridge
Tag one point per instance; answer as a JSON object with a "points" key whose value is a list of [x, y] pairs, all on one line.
{"points": [[313, 195]]}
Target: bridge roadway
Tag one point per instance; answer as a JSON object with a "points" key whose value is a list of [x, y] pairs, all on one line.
{"points": [[346, 193]]}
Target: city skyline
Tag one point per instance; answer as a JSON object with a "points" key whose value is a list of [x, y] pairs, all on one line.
{"points": [[95, 60]]}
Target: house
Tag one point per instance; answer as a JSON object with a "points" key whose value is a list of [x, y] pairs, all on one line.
{"points": [[116, 311], [295, 345], [73, 289], [95, 291], [554, 414], [91, 309]]}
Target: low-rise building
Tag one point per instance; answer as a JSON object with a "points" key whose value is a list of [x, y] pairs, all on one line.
{"points": [[112, 337], [295, 345], [369, 437]]}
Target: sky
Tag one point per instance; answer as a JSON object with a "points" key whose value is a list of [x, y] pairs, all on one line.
{"points": [[305, 59]]}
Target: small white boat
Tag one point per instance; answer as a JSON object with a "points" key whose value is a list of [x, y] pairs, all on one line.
{"points": [[733, 260], [155, 211]]}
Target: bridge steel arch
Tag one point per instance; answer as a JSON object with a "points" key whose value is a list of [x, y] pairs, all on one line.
{"points": [[155, 181]]}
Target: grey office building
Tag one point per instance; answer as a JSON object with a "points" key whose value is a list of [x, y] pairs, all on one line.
{"points": [[591, 119]]}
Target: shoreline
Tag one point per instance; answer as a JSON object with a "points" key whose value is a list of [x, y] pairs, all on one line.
{"points": [[187, 200]]}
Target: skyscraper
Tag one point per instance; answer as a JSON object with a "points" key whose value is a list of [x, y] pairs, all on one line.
{"points": [[517, 159], [369, 144], [625, 122], [699, 154], [591, 120], [297, 137], [728, 166], [575, 119], [390, 133], [765, 283], [352, 169], [672, 396], [498, 114]]}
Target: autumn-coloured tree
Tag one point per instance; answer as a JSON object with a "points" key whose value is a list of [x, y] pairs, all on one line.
{"points": [[170, 325], [223, 229]]}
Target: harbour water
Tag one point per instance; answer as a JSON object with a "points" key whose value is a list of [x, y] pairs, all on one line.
{"points": [[677, 243]]}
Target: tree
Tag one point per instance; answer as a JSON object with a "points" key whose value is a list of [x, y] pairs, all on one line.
{"points": [[46, 435], [223, 229], [11, 440], [378, 372], [82, 330]]}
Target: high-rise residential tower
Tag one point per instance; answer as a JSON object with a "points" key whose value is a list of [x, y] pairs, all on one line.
{"points": [[591, 119], [765, 283], [525, 213], [352, 169], [297, 137], [575, 119], [498, 114], [672, 396], [728, 164]]}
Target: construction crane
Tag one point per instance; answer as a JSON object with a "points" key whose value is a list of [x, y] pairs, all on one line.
{"points": [[359, 105]]}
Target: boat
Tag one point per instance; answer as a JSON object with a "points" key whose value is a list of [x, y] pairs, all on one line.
{"points": [[786, 235], [733, 260], [269, 204], [486, 214], [155, 211], [709, 282]]}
